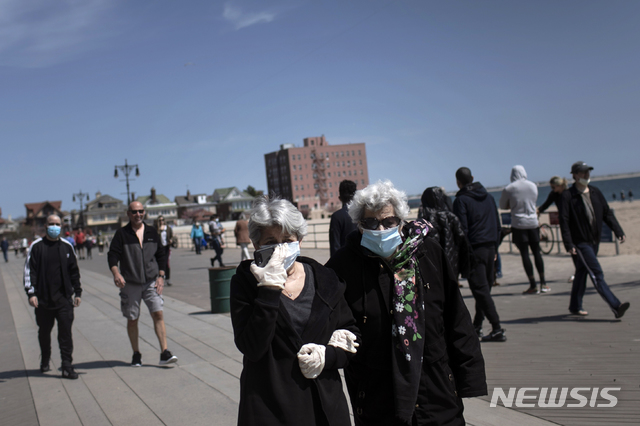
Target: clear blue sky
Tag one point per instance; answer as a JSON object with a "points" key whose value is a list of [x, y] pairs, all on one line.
{"points": [[195, 92]]}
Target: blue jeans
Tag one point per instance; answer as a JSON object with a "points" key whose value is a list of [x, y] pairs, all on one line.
{"points": [[198, 242], [590, 254]]}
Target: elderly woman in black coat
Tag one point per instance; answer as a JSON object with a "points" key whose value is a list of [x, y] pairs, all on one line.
{"points": [[420, 353], [293, 326]]}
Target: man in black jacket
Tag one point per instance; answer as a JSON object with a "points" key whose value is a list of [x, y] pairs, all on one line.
{"points": [[51, 277], [478, 216], [341, 224], [142, 258], [583, 208]]}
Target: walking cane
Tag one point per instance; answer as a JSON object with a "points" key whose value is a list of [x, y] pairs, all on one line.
{"points": [[593, 278], [591, 274]]}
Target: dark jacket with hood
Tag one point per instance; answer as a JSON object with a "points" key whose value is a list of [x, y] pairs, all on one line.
{"points": [[453, 366], [448, 229], [478, 215], [273, 390], [35, 271], [574, 222], [138, 264]]}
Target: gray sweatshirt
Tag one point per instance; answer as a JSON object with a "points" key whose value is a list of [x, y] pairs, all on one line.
{"points": [[520, 196]]}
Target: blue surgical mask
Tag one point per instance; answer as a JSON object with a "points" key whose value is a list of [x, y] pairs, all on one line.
{"points": [[53, 231], [293, 251], [383, 243]]}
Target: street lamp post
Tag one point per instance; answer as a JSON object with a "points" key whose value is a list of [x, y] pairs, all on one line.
{"points": [[81, 196], [127, 169]]}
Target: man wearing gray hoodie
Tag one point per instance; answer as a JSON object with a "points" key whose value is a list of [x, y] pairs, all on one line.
{"points": [[520, 196]]}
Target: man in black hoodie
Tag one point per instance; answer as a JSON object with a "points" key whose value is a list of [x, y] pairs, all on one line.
{"points": [[478, 216]]}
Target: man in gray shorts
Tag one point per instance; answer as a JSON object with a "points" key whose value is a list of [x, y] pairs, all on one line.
{"points": [[143, 259]]}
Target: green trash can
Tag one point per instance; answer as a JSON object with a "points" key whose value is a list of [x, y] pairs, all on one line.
{"points": [[219, 283]]}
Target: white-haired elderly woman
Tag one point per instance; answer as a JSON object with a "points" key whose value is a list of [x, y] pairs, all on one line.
{"points": [[420, 353], [293, 326]]}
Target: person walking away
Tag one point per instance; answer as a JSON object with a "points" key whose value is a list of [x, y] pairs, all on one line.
{"points": [[5, 248], [241, 231], [166, 237], [52, 283], [583, 209], [137, 261], [478, 216], [621, 195], [630, 195], [341, 224], [217, 241], [520, 197], [448, 230], [419, 354], [197, 234]]}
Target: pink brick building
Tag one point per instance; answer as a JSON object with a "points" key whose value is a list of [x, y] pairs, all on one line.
{"points": [[310, 175]]}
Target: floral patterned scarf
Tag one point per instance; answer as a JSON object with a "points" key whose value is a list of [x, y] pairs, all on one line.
{"points": [[408, 319]]}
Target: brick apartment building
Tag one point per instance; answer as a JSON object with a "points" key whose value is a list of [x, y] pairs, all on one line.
{"points": [[310, 175]]}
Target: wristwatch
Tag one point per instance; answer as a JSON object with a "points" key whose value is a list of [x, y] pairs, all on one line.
{"points": [[162, 276]]}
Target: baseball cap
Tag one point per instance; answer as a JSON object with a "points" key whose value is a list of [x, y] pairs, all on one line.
{"points": [[580, 166]]}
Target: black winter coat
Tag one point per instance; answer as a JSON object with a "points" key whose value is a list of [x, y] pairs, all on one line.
{"points": [[574, 223], [273, 390], [478, 215], [448, 229], [453, 366]]}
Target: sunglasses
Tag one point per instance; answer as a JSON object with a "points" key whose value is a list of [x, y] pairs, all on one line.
{"points": [[137, 211], [372, 223]]}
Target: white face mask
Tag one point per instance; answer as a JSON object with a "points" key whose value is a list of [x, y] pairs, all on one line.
{"points": [[584, 182], [293, 251]]}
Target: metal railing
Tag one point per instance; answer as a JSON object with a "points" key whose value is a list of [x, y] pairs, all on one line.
{"points": [[317, 236]]}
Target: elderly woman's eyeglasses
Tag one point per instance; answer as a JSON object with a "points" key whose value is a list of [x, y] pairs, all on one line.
{"points": [[372, 223]]}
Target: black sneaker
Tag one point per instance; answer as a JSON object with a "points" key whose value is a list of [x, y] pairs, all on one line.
{"points": [[45, 367], [531, 290], [621, 309], [167, 358], [495, 336], [136, 361], [68, 372]]}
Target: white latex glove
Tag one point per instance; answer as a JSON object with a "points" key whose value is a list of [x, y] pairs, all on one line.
{"points": [[311, 360], [273, 274], [345, 340]]}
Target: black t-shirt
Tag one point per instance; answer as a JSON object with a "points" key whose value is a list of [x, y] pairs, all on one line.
{"points": [[53, 273], [300, 309]]}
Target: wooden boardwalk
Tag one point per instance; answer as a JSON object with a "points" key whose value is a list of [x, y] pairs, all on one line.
{"points": [[545, 348]]}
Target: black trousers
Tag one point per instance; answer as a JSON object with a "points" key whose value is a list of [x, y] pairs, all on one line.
{"points": [[480, 281], [45, 318]]}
